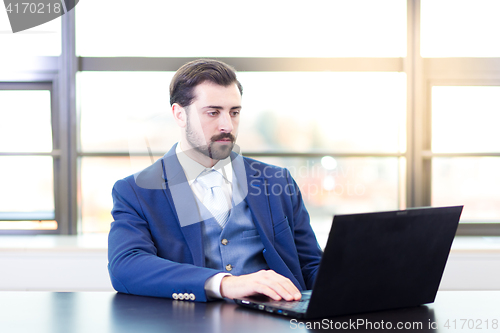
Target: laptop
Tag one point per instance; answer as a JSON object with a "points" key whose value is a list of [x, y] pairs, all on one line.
{"points": [[375, 261]]}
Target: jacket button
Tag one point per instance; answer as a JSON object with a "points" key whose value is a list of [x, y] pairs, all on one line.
{"points": [[224, 241], [192, 297], [180, 297], [175, 296], [186, 296], [229, 267]]}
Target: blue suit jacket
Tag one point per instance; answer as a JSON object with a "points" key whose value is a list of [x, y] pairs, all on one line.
{"points": [[152, 253]]}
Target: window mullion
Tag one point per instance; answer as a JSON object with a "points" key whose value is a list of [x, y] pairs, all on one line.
{"points": [[67, 170], [417, 184]]}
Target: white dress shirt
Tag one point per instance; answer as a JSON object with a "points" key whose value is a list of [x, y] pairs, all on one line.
{"points": [[192, 170]]}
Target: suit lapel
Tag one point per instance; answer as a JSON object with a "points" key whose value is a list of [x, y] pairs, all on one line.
{"points": [[183, 203], [258, 202]]}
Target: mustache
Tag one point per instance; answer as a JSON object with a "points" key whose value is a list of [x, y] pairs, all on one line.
{"points": [[223, 136]]}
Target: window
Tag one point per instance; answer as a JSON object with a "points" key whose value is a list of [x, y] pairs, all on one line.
{"points": [[470, 181], [392, 103], [463, 121], [123, 113], [460, 28], [260, 28], [130, 112], [26, 164], [43, 40], [323, 111]]}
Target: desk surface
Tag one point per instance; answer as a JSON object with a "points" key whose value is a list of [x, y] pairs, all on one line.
{"points": [[95, 312]]}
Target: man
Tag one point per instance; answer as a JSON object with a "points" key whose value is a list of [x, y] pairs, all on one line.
{"points": [[203, 222]]}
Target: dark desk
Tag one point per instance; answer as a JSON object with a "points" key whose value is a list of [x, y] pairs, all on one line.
{"points": [[95, 312]]}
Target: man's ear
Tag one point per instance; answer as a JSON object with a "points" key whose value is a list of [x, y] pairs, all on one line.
{"points": [[180, 115]]}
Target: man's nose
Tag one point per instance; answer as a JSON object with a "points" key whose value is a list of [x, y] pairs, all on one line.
{"points": [[225, 122]]}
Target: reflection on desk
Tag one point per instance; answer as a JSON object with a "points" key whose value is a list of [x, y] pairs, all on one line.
{"points": [[95, 312]]}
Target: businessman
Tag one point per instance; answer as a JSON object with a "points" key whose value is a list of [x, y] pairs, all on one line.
{"points": [[204, 222]]}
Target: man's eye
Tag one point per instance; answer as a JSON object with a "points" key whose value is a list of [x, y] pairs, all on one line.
{"points": [[235, 113], [212, 113]]}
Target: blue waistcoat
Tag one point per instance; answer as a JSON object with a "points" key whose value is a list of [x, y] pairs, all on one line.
{"points": [[238, 244]]}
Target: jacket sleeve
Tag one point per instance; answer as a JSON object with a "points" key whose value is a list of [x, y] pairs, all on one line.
{"points": [[134, 266], [308, 249]]}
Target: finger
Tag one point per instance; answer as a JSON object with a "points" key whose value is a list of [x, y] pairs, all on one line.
{"points": [[268, 291], [292, 290], [282, 286]]}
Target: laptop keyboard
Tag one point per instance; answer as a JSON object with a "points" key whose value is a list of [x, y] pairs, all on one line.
{"points": [[299, 306], [294, 308]]}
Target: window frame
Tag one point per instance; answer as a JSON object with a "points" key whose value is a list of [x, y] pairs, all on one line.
{"points": [[457, 79], [46, 82], [60, 73]]}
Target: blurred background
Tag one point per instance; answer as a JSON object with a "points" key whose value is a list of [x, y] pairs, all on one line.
{"points": [[371, 104]]}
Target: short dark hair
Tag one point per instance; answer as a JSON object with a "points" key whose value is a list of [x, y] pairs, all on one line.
{"points": [[196, 72]]}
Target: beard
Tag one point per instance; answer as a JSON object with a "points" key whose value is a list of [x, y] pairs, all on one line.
{"points": [[214, 150]]}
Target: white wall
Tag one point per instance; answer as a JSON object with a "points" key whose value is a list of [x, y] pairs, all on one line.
{"points": [[54, 271], [472, 270], [54, 263]]}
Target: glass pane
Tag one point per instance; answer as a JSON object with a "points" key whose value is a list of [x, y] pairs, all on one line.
{"points": [[259, 28], [125, 110], [43, 40], [472, 182], [460, 28], [332, 186], [98, 175], [27, 186], [465, 119], [325, 111], [329, 186], [122, 111], [25, 121]]}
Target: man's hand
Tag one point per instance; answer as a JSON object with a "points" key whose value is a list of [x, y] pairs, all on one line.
{"points": [[268, 283]]}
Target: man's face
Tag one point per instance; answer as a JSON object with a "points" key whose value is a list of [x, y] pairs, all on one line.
{"points": [[213, 119]]}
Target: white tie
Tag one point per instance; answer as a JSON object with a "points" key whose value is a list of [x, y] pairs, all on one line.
{"points": [[214, 198]]}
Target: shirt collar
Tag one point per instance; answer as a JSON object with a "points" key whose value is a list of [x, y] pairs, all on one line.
{"points": [[193, 169]]}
